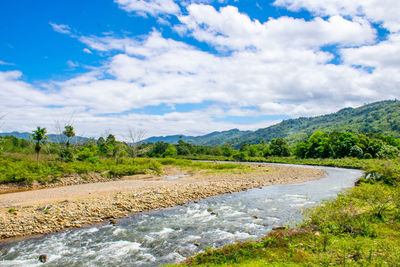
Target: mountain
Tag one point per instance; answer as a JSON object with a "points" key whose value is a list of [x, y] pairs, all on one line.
{"points": [[379, 117], [57, 138], [211, 139]]}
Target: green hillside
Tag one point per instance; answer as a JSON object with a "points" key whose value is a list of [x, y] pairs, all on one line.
{"points": [[379, 117]]}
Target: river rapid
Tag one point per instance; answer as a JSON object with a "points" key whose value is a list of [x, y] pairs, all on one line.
{"points": [[170, 235]]}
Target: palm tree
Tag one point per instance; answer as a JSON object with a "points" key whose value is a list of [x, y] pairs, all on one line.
{"points": [[69, 132], [39, 136]]}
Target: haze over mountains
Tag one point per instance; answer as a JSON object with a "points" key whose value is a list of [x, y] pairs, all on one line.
{"points": [[379, 117]]}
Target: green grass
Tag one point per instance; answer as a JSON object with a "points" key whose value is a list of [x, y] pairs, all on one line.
{"points": [[210, 167], [23, 169]]}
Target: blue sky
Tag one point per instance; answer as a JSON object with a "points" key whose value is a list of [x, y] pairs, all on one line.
{"points": [[191, 66]]}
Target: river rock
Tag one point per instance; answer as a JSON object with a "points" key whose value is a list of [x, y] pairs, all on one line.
{"points": [[43, 258]]}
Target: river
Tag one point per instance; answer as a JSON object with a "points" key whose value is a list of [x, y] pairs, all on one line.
{"points": [[169, 235]]}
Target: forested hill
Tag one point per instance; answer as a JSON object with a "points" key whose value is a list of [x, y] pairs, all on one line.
{"points": [[379, 117]]}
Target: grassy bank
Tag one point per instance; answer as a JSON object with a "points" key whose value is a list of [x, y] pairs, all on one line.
{"points": [[359, 228], [23, 169]]}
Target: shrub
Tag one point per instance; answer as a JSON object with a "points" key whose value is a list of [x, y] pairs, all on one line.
{"points": [[388, 152], [356, 152]]}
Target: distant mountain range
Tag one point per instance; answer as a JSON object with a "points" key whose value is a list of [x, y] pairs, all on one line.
{"points": [[211, 139], [57, 138], [379, 117]]}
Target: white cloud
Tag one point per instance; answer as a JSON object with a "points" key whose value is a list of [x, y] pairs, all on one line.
{"points": [[383, 55], [379, 11], [273, 68], [61, 28], [151, 7], [228, 28]]}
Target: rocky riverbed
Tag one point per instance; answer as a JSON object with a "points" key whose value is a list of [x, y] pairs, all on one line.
{"points": [[23, 221]]}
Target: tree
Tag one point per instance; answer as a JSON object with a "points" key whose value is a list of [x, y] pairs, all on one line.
{"points": [[110, 144], [159, 149], [69, 132], [342, 142], [135, 137], [117, 152], [279, 147], [227, 150], [170, 151], [318, 146], [184, 148], [39, 137], [66, 154], [388, 152], [101, 145]]}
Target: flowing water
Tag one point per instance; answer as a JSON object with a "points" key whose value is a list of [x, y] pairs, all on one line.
{"points": [[169, 235]]}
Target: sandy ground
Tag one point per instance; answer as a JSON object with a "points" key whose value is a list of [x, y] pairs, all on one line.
{"points": [[82, 191], [53, 209]]}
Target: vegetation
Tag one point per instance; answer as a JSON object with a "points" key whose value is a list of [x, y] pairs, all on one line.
{"points": [[22, 169], [342, 149]]}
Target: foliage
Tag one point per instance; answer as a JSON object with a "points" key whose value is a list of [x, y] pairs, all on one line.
{"points": [[346, 144], [279, 147], [22, 169]]}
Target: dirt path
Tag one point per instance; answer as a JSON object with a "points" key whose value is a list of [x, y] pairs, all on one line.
{"points": [[73, 192], [30, 197]]}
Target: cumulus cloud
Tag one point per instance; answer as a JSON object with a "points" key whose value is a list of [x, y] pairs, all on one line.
{"points": [[150, 7], [229, 28], [273, 68], [379, 11], [385, 54]]}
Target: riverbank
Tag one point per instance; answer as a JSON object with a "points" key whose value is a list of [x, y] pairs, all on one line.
{"points": [[33, 219]]}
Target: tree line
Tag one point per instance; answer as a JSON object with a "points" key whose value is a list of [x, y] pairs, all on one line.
{"points": [[317, 145]]}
